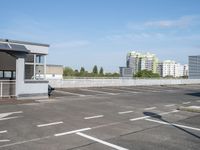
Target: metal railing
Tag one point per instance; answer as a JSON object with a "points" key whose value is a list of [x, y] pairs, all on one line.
{"points": [[7, 88]]}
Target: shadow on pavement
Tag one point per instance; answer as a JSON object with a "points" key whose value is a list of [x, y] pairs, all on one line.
{"points": [[197, 94], [159, 117]]}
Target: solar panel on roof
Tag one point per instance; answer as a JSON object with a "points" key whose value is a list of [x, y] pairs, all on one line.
{"points": [[13, 47], [4, 46], [19, 47]]}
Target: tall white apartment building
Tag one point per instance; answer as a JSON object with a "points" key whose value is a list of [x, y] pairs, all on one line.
{"points": [[171, 68], [139, 61]]}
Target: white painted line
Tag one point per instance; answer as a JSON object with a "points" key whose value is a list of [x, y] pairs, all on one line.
{"points": [[139, 118], [125, 112], [22, 142], [121, 90], [8, 118], [92, 117], [165, 113], [99, 91], [3, 131], [9, 113], [170, 105], [5, 140], [186, 102], [65, 92], [150, 108], [145, 117], [49, 124], [173, 124], [128, 88], [198, 101], [71, 132], [101, 141]]}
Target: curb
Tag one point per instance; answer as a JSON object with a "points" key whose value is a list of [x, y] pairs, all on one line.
{"points": [[195, 109]]}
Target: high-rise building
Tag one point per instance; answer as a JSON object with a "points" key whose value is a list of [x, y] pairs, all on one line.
{"points": [[185, 70], [194, 67], [139, 61], [171, 68]]}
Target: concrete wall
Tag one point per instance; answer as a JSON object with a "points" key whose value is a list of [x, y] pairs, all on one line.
{"points": [[70, 83], [28, 88]]}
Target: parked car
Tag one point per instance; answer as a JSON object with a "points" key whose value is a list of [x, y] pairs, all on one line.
{"points": [[50, 89]]}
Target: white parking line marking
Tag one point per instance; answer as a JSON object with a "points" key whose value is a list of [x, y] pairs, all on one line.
{"points": [[139, 118], [121, 90], [186, 102], [22, 142], [198, 101], [92, 117], [170, 105], [150, 108], [125, 112], [9, 113], [71, 132], [5, 140], [3, 131], [126, 88], [145, 117], [99, 91], [101, 141], [49, 124], [65, 92], [10, 118], [173, 124]]}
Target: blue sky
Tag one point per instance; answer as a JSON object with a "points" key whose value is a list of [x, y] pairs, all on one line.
{"points": [[101, 32]]}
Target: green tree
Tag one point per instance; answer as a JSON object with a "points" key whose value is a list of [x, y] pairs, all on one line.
{"points": [[95, 70], [68, 71], [146, 74], [101, 73], [82, 71]]}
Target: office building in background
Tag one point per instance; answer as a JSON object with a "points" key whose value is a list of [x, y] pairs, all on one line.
{"points": [[194, 67]]}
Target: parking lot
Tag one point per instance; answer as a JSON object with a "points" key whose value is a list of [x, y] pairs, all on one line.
{"points": [[107, 118]]}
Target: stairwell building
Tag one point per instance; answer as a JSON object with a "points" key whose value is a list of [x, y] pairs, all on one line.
{"points": [[23, 69]]}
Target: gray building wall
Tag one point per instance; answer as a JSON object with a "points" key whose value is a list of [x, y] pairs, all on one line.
{"points": [[194, 67], [126, 72]]}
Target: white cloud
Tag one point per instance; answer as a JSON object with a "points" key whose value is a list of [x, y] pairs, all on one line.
{"points": [[71, 44], [181, 22]]}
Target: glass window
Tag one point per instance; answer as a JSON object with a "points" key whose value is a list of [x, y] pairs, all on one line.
{"points": [[39, 59], [1, 74], [7, 74], [29, 58], [29, 71], [39, 70], [14, 74]]}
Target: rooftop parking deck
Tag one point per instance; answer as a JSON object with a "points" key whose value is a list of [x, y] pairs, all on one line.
{"points": [[122, 118]]}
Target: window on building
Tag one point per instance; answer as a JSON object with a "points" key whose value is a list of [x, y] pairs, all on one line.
{"points": [[29, 71], [7, 74], [34, 67], [40, 59], [29, 58], [1, 74], [14, 74]]}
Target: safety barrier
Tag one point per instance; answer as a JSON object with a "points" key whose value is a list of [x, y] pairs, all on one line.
{"points": [[7, 88]]}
